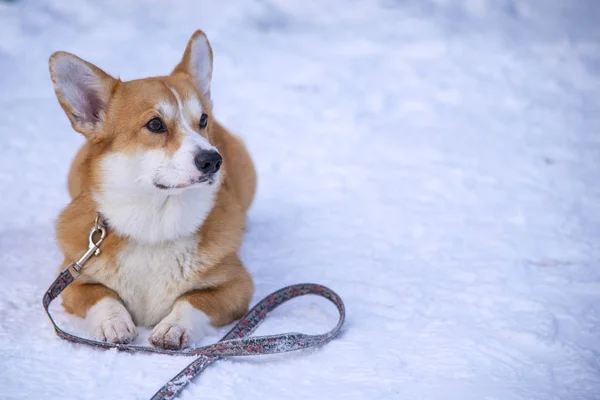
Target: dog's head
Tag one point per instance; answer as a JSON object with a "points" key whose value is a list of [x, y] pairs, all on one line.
{"points": [[150, 134]]}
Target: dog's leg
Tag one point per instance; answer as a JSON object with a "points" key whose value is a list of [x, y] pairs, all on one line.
{"points": [[103, 311], [194, 312]]}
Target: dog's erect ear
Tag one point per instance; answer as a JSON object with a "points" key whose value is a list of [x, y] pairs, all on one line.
{"points": [[83, 91], [197, 61]]}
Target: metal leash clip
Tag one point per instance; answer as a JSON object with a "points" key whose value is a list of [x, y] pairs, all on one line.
{"points": [[93, 248]]}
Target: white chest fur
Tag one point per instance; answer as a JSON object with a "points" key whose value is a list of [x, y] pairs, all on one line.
{"points": [[150, 277]]}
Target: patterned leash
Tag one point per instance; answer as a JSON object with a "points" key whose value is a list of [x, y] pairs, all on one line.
{"points": [[235, 343]]}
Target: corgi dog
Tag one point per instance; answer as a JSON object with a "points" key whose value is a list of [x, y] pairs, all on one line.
{"points": [[172, 187]]}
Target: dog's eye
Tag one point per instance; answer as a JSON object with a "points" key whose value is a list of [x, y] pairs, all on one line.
{"points": [[203, 121], [155, 125]]}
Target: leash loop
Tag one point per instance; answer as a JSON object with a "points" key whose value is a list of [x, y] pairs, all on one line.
{"points": [[237, 342]]}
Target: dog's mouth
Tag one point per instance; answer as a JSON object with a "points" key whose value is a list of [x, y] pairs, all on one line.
{"points": [[208, 179]]}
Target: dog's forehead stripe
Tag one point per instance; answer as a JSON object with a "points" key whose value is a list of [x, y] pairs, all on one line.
{"points": [[193, 106], [176, 97], [167, 109], [192, 139]]}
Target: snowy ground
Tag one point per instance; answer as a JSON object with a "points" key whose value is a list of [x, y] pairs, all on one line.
{"points": [[435, 162]]}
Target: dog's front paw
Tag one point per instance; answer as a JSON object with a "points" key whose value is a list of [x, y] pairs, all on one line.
{"points": [[115, 330], [182, 326], [170, 336], [110, 322]]}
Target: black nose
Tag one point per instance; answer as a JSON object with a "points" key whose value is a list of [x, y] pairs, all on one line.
{"points": [[208, 161]]}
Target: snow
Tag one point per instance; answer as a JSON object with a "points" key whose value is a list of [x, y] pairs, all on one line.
{"points": [[435, 162]]}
